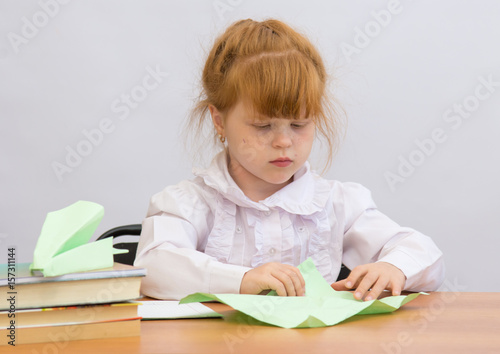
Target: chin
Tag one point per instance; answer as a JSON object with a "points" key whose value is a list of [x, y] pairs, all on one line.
{"points": [[281, 180]]}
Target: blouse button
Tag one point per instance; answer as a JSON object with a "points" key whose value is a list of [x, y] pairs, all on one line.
{"points": [[238, 229], [267, 213], [272, 251], [302, 229]]}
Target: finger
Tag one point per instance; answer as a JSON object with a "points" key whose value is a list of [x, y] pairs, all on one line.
{"points": [[300, 277], [298, 281], [286, 277], [291, 273], [277, 285], [286, 280], [397, 287], [354, 278], [397, 279], [365, 284], [377, 288], [340, 285], [298, 284]]}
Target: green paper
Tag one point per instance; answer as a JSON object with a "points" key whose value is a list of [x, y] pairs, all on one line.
{"points": [[62, 245], [321, 306]]}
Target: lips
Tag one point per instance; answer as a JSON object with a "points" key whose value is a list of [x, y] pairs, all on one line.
{"points": [[282, 162]]}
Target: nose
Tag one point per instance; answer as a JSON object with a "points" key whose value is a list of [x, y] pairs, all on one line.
{"points": [[282, 139]]}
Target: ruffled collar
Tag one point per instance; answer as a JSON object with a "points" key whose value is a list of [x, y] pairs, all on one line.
{"points": [[307, 194]]}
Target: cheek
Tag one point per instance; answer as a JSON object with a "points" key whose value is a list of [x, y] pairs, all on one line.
{"points": [[262, 139], [304, 140], [248, 148], [303, 137]]}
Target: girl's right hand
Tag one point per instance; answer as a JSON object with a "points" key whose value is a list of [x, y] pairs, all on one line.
{"points": [[284, 278]]}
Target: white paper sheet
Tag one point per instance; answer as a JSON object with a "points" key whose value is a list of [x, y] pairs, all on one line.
{"points": [[156, 310]]}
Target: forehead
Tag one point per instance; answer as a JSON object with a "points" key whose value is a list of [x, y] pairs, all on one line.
{"points": [[244, 108]]}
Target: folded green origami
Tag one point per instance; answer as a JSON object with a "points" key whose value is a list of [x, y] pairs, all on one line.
{"points": [[321, 306], [62, 246]]}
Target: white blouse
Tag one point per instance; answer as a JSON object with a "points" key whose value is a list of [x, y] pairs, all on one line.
{"points": [[203, 235]]}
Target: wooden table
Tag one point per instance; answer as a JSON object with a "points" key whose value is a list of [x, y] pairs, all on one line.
{"points": [[443, 322]]}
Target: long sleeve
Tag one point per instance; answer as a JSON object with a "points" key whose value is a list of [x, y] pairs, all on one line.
{"points": [[171, 246], [370, 236]]}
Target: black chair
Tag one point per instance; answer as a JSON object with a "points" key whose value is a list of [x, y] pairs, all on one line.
{"points": [[125, 230], [135, 230], [344, 273]]}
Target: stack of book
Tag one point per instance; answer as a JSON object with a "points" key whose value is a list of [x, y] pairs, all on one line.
{"points": [[76, 306]]}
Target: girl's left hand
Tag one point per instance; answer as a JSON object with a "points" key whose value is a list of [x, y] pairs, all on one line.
{"points": [[375, 276]]}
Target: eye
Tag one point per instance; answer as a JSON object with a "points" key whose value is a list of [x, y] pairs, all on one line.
{"points": [[299, 124], [262, 126]]}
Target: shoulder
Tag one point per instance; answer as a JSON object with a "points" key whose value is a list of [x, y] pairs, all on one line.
{"points": [[351, 197], [338, 189], [350, 190], [183, 198]]}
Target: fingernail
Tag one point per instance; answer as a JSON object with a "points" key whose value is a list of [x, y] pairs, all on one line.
{"points": [[348, 284], [357, 295], [368, 298]]}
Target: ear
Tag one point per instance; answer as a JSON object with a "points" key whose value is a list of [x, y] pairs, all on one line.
{"points": [[217, 119]]}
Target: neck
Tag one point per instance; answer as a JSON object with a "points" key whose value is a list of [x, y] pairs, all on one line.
{"points": [[257, 193]]}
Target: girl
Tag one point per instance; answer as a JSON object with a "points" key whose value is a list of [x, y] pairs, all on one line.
{"points": [[246, 222]]}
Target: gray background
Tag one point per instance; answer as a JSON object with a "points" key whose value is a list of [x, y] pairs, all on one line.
{"points": [[402, 79]]}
